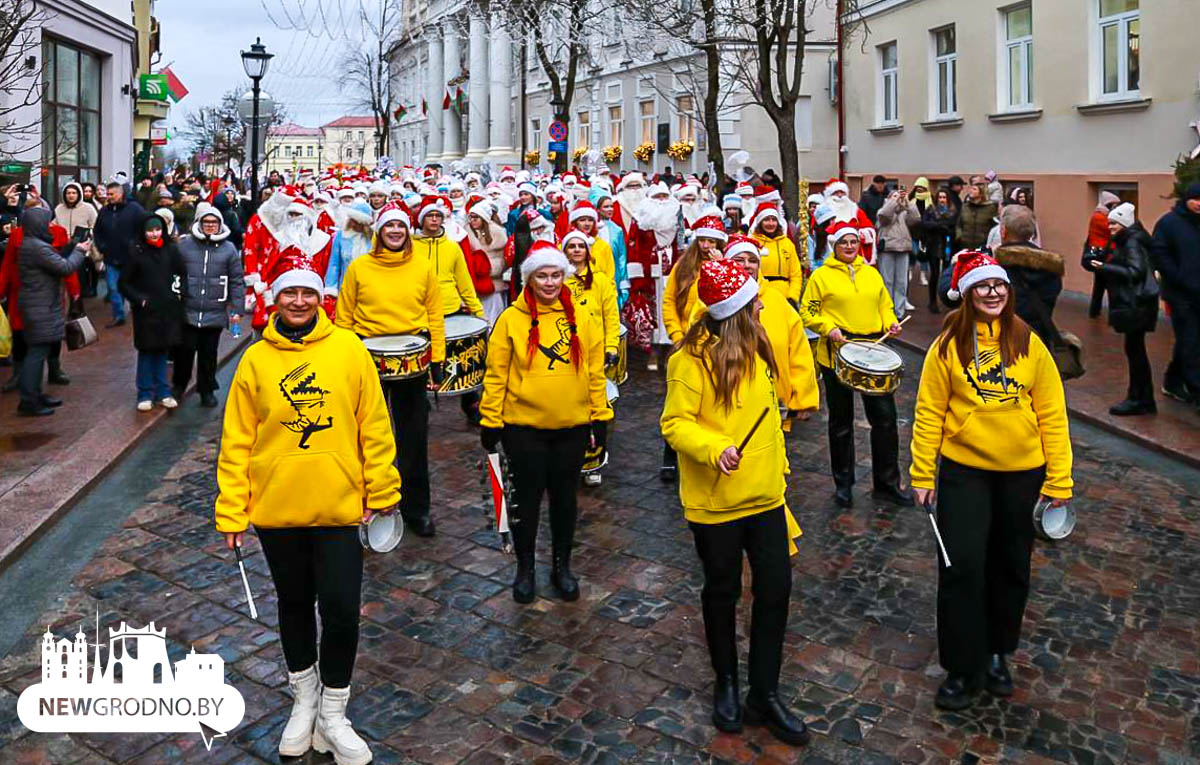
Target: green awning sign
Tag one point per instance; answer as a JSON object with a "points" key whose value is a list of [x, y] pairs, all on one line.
{"points": [[153, 87]]}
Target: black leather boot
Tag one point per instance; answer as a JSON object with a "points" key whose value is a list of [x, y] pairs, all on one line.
{"points": [[524, 588], [422, 525], [956, 692], [770, 711], [727, 704], [561, 577], [999, 681], [57, 376], [894, 494], [1131, 407], [842, 496]]}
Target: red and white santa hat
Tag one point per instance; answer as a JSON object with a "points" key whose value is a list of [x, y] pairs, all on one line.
{"points": [[970, 268], [527, 186], [763, 194], [740, 243], [432, 204], [507, 173], [297, 272], [681, 190], [631, 177], [543, 254], [744, 190], [841, 229], [710, 226], [724, 288], [833, 186], [763, 211], [481, 207], [536, 220], [301, 205], [577, 235], [582, 209], [393, 211]]}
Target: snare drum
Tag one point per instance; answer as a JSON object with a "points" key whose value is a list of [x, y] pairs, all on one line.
{"points": [[619, 372], [399, 357], [466, 356], [871, 369]]}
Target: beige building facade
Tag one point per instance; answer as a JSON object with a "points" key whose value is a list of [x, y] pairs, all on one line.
{"points": [[293, 148], [1064, 97]]}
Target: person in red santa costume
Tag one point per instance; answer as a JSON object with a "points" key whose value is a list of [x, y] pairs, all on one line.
{"points": [[654, 246], [845, 210], [322, 203], [631, 190], [281, 233]]}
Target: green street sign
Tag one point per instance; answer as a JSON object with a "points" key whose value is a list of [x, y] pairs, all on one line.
{"points": [[153, 87]]}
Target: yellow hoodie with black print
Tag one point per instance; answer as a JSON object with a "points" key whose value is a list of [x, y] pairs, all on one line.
{"points": [[306, 439]]}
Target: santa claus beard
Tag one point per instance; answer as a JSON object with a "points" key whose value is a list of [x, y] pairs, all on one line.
{"points": [[659, 216], [296, 232], [843, 208], [629, 199], [692, 211], [458, 203]]}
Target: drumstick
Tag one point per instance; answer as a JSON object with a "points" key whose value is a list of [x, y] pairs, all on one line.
{"points": [[937, 534], [245, 582], [745, 440], [885, 334]]}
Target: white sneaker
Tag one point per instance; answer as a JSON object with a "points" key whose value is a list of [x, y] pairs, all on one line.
{"points": [[924, 279], [333, 732], [592, 479], [306, 693], [145, 406], [169, 403], [909, 306], [652, 364]]}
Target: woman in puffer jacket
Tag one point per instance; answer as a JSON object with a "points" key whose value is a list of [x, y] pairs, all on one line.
{"points": [[487, 239]]}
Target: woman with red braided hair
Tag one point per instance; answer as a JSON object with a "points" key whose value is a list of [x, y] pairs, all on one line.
{"points": [[544, 400]]}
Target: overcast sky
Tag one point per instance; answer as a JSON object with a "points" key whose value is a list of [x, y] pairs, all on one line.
{"points": [[202, 41]]}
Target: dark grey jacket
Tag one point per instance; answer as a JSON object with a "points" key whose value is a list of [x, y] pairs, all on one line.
{"points": [[214, 277], [42, 271]]}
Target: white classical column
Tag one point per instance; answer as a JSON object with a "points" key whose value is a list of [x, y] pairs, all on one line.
{"points": [[500, 142], [477, 102], [435, 89], [451, 68]]}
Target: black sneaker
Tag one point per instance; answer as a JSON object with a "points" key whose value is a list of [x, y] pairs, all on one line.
{"points": [[1178, 393], [1129, 408]]}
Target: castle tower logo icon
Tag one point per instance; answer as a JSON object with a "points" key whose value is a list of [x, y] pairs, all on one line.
{"points": [[132, 687]]}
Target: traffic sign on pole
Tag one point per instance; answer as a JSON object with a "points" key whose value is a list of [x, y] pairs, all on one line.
{"points": [[556, 146], [558, 131]]}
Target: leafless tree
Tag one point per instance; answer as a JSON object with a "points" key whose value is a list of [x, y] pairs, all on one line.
{"points": [[218, 131], [365, 68], [20, 84]]}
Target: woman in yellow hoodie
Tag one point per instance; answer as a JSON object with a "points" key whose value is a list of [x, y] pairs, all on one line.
{"points": [[781, 267], [392, 291], [543, 398], [306, 456], [722, 416], [991, 407], [846, 299]]}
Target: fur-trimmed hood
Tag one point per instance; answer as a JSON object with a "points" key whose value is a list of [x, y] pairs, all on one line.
{"points": [[1027, 256]]}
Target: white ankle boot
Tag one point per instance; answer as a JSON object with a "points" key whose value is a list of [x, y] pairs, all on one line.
{"points": [[306, 694], [333, 732]]}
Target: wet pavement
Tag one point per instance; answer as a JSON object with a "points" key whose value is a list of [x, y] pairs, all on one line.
{"points": [[450, 670]]}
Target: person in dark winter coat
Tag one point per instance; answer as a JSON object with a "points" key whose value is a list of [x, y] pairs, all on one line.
{"points": [[214, 291], [42, 271], [117, 227], [1132, 302], [1176, 255], [1036, 274], [153, 280], [975, 218], [937, 229], [227, 203], [873, 198]]}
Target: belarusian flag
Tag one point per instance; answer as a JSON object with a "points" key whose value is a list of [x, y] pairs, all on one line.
{"points": [[175, 88], [446, 99], [460, 99], [401, 110]]}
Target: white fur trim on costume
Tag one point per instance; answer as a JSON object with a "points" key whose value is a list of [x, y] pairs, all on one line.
{"points": [[331, 292], [391, 215], [841, 233], [296, 277], [867, 234], [711, 233], [527, 187], [582, 212], [768, 213], [250, 302], [978, 274], [259, 285], [737, 248], [833, 188], [723, 309], [546, 256], [577, 234]]}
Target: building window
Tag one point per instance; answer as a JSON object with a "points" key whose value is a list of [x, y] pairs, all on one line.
{"points": [[646, 120], [685, 120], [360, 136], [583, 130], [1120, 39], [1017, 58], [535, 134], [889, 108], [70, 116], [309, 152], [945, 77], [616, 126]]}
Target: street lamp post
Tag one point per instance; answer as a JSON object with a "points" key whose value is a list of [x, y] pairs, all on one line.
{"points": [[255, 62], [558, 106]]}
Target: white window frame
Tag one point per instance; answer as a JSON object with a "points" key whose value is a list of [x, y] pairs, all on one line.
{"points": [[583, 129], [888, 83], [652, 117], [947, 63], [1025, 100], [535, 131], [1121, 21], [616, 127], [685, 119]]}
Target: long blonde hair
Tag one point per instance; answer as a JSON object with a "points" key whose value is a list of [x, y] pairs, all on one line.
{"points": [[729, 349], [686, 270]]}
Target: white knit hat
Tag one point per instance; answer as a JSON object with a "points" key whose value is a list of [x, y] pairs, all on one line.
{"points": [[835, 187], [576, 234], [297, 276], [1124, 213], [390, 212], [543, 254]]}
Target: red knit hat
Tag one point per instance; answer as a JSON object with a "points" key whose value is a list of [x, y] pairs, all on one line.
{"points": [[710, 227], [724, 288], [972, 267], [432, 204], [840, 229], [765, 210], [740, 243], [582, 209], [393, 211]]}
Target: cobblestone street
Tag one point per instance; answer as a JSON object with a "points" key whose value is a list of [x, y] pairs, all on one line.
{"points": [[451, 670]]}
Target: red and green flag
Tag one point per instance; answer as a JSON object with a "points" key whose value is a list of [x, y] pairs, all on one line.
{"points": [[460, 99], [175, 88], [401, 110], [446, 99]]}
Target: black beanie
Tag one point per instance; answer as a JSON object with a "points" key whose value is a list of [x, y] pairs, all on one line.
{"points": [[1192, 191]]}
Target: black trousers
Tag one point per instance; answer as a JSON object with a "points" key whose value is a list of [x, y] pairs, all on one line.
{"points": [[885, 437], [410, 425], [197, 345], [935, 276], [31, 369], [1141, 380], [763, 537], [544, 462], [1184, 369], [321, 564], [1097, 300], [986, 520]]}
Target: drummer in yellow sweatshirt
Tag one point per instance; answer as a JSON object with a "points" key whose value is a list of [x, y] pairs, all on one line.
{"points": [[722, 416], [991, 410], [306, 457], [391, 291], [544, 400], [447, 256], [846, 299]]}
